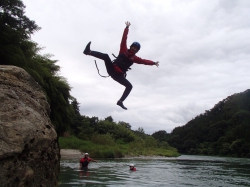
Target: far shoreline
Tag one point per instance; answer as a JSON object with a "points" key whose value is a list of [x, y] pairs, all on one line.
{"points": [[68, 154]]}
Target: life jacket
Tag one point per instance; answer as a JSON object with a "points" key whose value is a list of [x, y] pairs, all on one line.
{"points": [[133, 169], [85, 162], [123, 62]]}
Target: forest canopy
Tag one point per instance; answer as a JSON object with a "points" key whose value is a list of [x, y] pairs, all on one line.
{"points": [[17, 48], [223, 130]]}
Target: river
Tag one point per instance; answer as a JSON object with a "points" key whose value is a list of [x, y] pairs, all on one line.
{"points": [[159, 171]]}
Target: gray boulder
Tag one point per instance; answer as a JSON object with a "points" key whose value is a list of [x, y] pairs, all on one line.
{"points": [[29, 152]]}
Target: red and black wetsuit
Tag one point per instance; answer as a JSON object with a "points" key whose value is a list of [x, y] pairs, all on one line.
{"points": [[133, 169], [124, 51], [85, 162], [125, 59]]}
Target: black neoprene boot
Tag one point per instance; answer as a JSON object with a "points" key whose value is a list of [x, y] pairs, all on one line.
{"points": [[87, 49], [121, 105]]}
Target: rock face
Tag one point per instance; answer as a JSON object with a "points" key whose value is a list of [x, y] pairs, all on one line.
{"points": [[29, 152]]}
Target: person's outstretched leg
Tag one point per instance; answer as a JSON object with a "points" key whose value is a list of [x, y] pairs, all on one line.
{"points": [[103, 56], [123, 81]]}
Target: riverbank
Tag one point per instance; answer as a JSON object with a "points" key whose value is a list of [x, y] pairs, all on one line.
{"points": [[115, 150], [70, 154]]}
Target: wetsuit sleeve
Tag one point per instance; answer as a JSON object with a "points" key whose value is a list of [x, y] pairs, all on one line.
{"points": [[123, 46], [138, 60]]}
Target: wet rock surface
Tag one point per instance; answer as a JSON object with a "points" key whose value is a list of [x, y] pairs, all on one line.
{"points": [[29, 152]]}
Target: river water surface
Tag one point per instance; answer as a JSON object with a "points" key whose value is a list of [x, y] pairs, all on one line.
{"points": [[159, 171]]}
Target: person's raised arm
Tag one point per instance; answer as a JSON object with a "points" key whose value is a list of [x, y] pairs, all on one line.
{"points": [[157, 63], [123, 46], [127, 24]]}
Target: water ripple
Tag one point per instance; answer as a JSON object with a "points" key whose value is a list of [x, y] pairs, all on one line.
{"points": [[181, 171]]}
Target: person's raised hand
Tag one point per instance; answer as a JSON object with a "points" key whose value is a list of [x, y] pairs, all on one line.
{"points": [[127, 23], [157, 63]]}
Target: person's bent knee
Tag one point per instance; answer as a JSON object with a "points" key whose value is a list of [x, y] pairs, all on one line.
{"points": [[129, 86], [106, 57]]}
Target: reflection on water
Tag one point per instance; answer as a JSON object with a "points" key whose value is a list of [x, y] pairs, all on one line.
{"points": [[155, 171]]}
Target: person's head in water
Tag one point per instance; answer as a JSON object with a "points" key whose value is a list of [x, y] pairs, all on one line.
{"points": [[132, 167], [135, 47], [86, 155]]}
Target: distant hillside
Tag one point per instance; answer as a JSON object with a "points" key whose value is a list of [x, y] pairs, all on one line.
{"points": [[224, 130]]}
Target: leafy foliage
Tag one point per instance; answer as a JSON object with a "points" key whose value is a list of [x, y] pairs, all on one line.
{"points": [[161, 135], [17, 49], [101, 150], [110, 135], [223, 130], [15, 31]]}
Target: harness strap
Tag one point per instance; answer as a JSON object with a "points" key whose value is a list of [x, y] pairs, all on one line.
{"points": [[114, 67], [99, 72]]}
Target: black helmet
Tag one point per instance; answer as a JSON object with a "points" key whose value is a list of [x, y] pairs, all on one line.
{"points": [[136, 44]]}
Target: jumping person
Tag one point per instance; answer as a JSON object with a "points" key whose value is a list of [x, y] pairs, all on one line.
{"points": [[117, 70]]}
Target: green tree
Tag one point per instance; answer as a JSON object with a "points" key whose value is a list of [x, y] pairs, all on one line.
{"points": [[150, 142], [15, 30], [140, 133], [75, 105], [161, 135], [76, 120], [223, 130], [109, 118], [124, 124], [17, 49]]}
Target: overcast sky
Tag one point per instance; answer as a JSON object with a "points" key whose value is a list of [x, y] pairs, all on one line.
{"points": [[203, 47]]}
